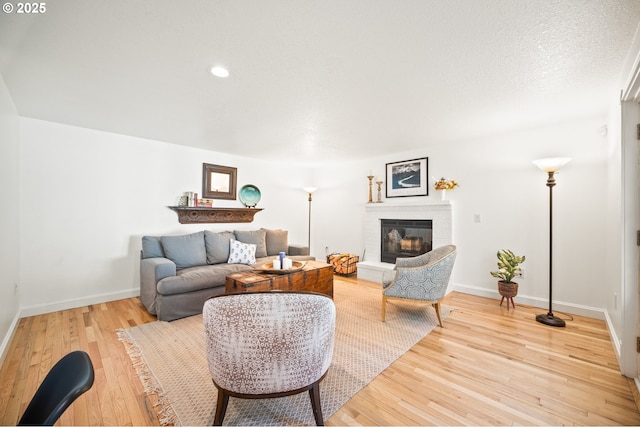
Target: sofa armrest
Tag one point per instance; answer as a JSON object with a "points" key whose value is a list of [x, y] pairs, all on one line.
{"points": [[298, 250], [152, 270]]}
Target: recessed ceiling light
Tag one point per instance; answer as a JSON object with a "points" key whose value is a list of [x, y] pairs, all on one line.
{"points": [[219, 71]]}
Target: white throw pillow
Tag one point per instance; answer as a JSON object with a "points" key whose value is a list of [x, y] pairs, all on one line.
{"points": [[241, 253]]}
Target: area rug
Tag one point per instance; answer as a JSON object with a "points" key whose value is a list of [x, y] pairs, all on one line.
{"points": [[170, 360]]}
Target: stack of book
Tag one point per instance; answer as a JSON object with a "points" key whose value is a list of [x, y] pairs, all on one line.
{"points": [[205, 203]]}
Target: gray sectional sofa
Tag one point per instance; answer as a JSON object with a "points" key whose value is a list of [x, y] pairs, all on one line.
{"points": [[179, 273]]}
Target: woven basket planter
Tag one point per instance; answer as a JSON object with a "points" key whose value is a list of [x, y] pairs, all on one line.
{"points": [[508, 290]]}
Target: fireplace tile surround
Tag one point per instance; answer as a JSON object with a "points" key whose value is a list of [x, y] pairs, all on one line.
{"points": [[440, 212]]}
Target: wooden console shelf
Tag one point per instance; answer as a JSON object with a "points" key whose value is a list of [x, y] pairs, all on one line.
{"points": [[188, 215]]}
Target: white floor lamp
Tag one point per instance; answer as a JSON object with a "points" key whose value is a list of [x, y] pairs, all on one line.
{"points": [[309, 191], [551, 166]]}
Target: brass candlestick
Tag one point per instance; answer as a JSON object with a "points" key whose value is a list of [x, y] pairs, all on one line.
{"points": [[370, 188], [379, 191]]}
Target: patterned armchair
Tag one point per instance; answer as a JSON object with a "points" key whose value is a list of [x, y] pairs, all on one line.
{"points": [[269, 344], [423, 278]]}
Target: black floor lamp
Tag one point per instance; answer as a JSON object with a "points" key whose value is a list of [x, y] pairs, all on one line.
{"points": [[309, 191], [551, 166]]}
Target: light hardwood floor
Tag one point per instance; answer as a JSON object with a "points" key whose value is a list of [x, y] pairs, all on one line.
{"points": [[487, 366]]}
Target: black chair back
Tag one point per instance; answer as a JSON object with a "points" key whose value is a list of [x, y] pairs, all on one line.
{"points": [[66, 381]]}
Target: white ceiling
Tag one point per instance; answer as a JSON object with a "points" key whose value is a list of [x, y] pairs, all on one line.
{"points": [[315, 80]]}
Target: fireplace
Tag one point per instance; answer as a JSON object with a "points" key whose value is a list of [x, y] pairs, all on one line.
{"points": [[401, 238], [371, 265]]}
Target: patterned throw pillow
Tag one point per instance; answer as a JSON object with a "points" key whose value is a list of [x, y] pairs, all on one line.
{"points": [[241, 253]]}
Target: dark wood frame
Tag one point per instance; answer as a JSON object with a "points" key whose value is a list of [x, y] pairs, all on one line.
{"points": [[421, 190], [314, 396], [208, 192]]}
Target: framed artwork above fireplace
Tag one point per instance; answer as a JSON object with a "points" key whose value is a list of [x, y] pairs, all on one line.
{"points": [[408, 178]]}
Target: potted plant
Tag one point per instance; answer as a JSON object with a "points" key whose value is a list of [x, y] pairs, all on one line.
{"points": [[508, 268]]}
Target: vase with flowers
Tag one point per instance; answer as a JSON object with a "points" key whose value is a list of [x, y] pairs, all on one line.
{"points": [[443, 185]]}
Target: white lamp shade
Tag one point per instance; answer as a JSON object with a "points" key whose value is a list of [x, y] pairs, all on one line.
{"points": [[551, 164], [309, 189]]}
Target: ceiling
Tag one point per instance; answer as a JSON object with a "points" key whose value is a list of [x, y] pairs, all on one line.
{"points": [[315, 80]]}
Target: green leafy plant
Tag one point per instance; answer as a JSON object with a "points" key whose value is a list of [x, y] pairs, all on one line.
{"points": [[508, 264]]}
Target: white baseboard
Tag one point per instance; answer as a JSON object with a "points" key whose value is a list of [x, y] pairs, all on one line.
{"points": [[34, 310], [558, 306], [614, 337], [4, 347]]}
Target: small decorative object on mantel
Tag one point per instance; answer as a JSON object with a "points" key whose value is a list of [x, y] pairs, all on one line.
{"points": [[249, 195], [190, 198], [379, 191], [443, 185], [370, 178], [205, 203], [508, 268], [182, 201]]}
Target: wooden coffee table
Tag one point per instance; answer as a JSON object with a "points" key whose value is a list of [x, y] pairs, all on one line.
{"points": [[316, 276]]}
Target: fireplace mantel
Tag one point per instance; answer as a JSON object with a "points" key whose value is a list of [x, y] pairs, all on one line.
{"points": [[440, 212], [387, 204], [411, 207]]}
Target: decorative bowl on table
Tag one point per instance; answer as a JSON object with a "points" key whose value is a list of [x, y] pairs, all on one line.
{"points": [[268, 268]]}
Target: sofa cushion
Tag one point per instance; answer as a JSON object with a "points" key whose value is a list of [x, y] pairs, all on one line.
{"points": [[298, 250], [152, 247], [217, 245], [277, 241], [256, 237], [241, 253], [197, 278], [185, 251]]}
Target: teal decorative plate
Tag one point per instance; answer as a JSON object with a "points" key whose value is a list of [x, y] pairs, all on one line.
{"points": [[249, 195]]}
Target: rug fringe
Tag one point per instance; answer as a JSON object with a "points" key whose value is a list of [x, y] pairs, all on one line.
{"points": [[166, 414]]}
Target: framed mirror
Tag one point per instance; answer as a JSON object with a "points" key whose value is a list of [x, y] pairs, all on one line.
{"points": [[218, 182]]}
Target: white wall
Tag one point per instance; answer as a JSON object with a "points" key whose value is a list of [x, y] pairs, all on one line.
{"points": [[499, 182], [512, 197], [88, 197], [338, 208], [9, 212]]}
